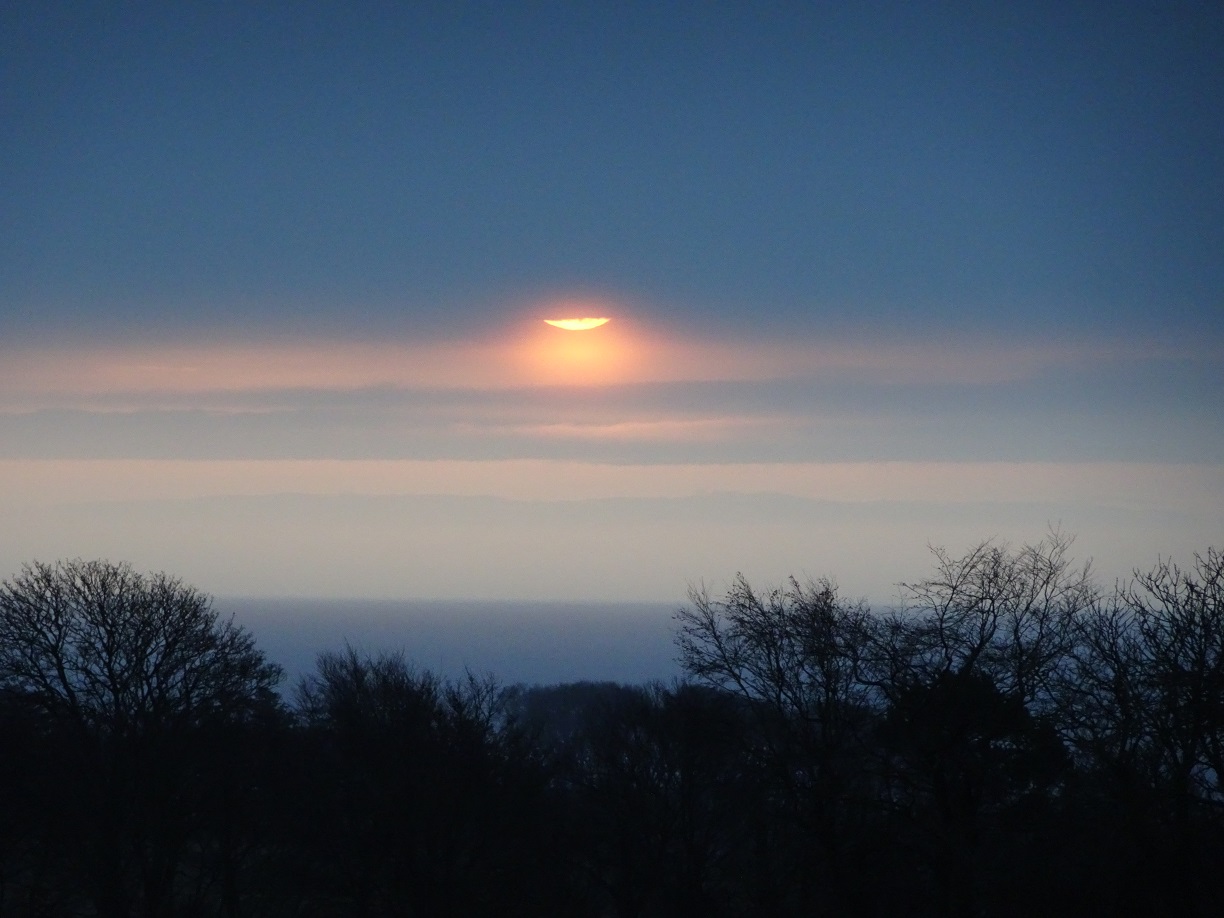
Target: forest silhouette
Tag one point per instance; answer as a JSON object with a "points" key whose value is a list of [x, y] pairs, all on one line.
{"points": [[1013, 739]]}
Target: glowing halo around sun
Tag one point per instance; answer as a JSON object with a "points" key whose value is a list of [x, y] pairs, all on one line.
{"points": [[577, 324]]}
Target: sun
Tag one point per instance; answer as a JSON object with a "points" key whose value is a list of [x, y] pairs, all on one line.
{"points": [[584, 350], [577, 324]]}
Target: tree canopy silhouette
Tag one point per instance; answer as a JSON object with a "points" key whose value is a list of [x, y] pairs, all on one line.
{"points": [[107, 648], [130, 678], [1011, 740]]}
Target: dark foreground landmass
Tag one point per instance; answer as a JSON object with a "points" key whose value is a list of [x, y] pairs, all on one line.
{"points": [[1015, 740]]}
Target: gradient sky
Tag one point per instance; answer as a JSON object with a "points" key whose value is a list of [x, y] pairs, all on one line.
{"points": [[880, 274]]}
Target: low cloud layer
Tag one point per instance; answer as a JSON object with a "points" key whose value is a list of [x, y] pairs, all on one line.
{"points": [[370, 470]]}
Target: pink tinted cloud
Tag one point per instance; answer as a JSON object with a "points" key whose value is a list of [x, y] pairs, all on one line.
{"points": [[539, 356], [1134, 485]]}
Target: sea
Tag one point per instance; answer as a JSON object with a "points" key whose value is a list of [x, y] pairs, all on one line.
{"points": [[532, 643]]}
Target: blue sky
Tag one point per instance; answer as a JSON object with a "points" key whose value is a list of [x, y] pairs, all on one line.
{"points": [[854, 253], [412, 166]]}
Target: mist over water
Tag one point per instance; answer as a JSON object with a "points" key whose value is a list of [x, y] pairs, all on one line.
{"points": [[532, 642]]}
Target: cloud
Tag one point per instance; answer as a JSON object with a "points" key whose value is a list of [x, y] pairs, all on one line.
{"points": [[1127, 411], [614, 548], [489, 469], [1137, 486], [32, 378], [664, 401], [694, 430]]}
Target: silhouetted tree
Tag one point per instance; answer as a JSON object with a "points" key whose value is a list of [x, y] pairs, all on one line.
{"points": [[1007, 614], [1143, 711], [657, 787], [795, 655], [964, 761], [1179, 619], [418, 799], [1011, 741], [121, 668], [969, 670]]}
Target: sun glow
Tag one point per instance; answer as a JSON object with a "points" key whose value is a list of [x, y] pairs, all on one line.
{"points": [[577, 324], [604, 354]]}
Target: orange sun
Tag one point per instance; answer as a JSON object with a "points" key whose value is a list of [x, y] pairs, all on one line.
{"points": [[584, 351], [577, 324]]}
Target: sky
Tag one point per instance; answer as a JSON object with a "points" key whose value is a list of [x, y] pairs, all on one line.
{"points": [[880, 276]]}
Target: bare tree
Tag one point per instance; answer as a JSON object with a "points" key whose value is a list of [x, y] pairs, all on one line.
{"points": [[796, 648], [1146, 692], [421, 806], [795, 654], [1005, 613], [968, 670], [108, 649], [124, 671], [1143, 710], [1179, 617]]}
